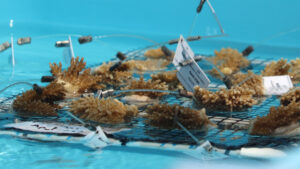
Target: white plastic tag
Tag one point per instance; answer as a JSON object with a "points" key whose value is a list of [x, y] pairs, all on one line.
{"points": [[68, 52], [55, 128], [189, 75], [277, 85]]}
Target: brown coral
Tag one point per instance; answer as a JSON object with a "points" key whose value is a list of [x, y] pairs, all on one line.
{"points": [[228, 61], [274, 68], [74, 81], [249, 81], [32, 103], [276, 120], [118, 76], [104, 111], [150, 84], [169, 78], [292, 96], [236, 98], [164, 115]]}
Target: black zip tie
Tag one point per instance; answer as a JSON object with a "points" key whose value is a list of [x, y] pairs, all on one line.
{"points": [[4, 46], [121, 56], [248, 50], [47, 78], [199, 8], [85, 39], [190, 38], [115, 66], [23, 41], [65, 43], [227, 82], [166, 51], [37, 89]]}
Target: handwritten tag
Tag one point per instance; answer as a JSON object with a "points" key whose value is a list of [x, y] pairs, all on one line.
{"points": [[277, 85], [189, 74]]}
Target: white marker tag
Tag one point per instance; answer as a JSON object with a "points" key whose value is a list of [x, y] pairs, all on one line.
{"points": [[190, 75], [68, 52], [55, 128], [277, 85]]}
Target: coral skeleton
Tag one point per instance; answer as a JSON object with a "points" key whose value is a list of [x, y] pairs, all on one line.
{"points": [[150, 84], [274, 68], [74, 81], [282, 120], [109, 111], [249, 81], [292, 96], [228, 61], [32, 103], [236, 98], [169, 78], [164, 116]]}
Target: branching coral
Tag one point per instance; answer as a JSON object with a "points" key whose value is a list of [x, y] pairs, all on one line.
{"points": [[169, 78], [228, 61], [280, 121], [234, 99], [118, 76], [32, 103], [73, 80], [104, 111], [164, 115], [150, 84], [292, 96], [295, 70], [249, 81], [274, 68]]}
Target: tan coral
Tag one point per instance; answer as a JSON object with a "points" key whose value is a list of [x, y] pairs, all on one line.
{"points": [[31, 103], [164, 115], [292, 96], [157, 54], [117, 77], [234, 99], [74, 81], [249, 81], [279, 118], [295, 71], [150, 84], [169, 78], [228, 61], [274, 68], [109, 110], [149, 64]]}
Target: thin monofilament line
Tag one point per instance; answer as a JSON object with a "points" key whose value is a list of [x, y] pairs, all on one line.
{"points": [[55, 35], [126, 35], [193, 24], [187, 132], [146, 90], [14, 84], [215, 15]]}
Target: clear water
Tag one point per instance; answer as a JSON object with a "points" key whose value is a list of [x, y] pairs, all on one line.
{"points": [[246, 22]]}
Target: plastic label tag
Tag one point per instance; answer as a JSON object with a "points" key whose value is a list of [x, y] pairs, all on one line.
{"points": [[189, 75], [68, 52], [55, 128], [277, 85]]}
